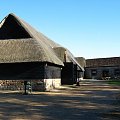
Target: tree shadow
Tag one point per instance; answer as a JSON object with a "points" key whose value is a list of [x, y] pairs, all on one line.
{"points": [[65, 104]]}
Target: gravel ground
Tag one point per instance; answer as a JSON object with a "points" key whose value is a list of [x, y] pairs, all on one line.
{"points": [[92, 100]]}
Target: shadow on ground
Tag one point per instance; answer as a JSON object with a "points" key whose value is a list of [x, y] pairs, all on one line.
{"points": [[88, 102]]}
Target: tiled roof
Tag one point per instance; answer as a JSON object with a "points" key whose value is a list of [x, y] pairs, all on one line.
{"points": [[112, 61]]}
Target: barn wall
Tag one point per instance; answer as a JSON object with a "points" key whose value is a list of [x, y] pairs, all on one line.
{"points": [[18, 71], [44, 77], [13, 75], [52, 72], [52, 77]]}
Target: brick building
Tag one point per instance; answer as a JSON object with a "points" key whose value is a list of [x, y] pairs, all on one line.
{"points": [[102, 68]]}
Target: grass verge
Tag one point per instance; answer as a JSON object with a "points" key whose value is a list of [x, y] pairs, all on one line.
{"points": [[114, 82]]}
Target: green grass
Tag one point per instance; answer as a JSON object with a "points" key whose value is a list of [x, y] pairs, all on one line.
{"points": [[114, 82]]}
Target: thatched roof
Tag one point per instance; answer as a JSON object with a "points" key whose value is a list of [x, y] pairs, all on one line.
{"points": [[66, 56], [81, 61], [19, 42], [49, 42]]}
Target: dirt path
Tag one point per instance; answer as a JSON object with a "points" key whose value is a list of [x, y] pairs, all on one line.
{"points": [[93, 100]]}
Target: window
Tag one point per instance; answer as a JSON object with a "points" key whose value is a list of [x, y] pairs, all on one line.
{"points": [[105, 73], [94, 72], [117, 72]]}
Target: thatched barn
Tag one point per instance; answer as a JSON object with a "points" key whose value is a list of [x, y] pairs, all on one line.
{"points": [[26, 54]]}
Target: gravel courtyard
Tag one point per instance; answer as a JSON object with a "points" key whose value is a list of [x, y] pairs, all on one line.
{"points": [[92, 100]]}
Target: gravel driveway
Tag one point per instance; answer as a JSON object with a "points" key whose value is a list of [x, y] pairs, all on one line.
{"points": [[93, 100]]}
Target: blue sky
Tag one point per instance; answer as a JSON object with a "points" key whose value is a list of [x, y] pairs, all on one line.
{"points": [[88, 28]]}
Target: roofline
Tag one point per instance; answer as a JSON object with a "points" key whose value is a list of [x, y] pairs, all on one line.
{"points": [[103, 58]]}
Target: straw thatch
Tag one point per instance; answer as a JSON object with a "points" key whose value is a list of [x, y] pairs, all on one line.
{"points": [[81, 61], [66, 56], [62, 53], [27, 46], [19, 42]]}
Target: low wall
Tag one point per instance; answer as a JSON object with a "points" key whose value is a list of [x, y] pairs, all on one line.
{"points": [[51, 84], [35, 85]]}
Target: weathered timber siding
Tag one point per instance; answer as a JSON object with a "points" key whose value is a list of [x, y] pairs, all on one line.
{"points": [[43, 76], [52, 77], [18, 71], [52, 72]]}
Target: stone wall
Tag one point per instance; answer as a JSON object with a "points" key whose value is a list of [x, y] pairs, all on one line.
{"points": [[40, 76], [33, 85], [11, 84], [46, 84], [51, 84]]}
